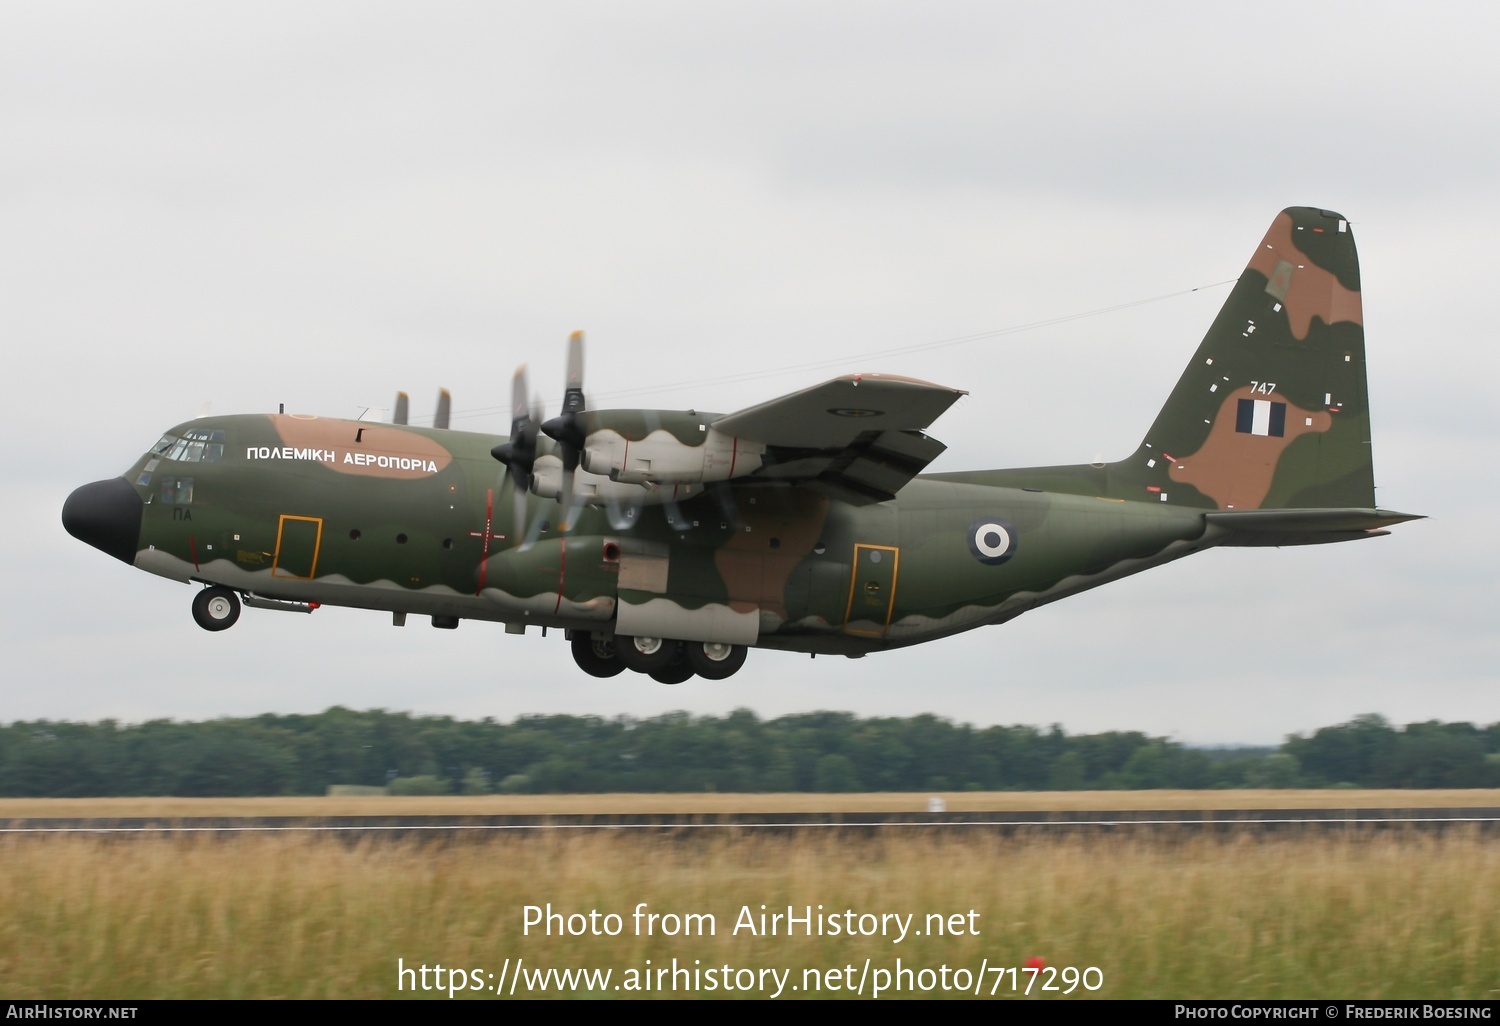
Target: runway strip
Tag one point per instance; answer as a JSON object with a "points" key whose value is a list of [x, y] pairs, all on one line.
{"points": [[1256, 821]]}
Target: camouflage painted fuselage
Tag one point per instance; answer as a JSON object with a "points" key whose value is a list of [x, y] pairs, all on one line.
{"points": [[415, 520], [839, 549]]}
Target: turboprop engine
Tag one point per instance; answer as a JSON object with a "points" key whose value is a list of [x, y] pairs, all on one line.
{"points": [[647, 457], [625, 458], [550, 481], [682, 448]]}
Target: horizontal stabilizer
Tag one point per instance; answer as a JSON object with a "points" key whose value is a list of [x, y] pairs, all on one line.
{"points": [[1304, 526]]}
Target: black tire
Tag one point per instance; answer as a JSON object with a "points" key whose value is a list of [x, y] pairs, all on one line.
{"points": [[597, 658], [715, 661], [677, 671], [216, 608], [644, 655]]}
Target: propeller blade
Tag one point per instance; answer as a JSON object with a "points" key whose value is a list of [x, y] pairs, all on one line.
{"points": [[535, 413], [444, 409], [518, 514], [573, 401], [674, 515], [519, 453], [567, 428], [519, 394]]}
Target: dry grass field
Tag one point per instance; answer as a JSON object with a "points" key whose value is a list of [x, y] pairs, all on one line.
{"points": [[1352, 916], [699, 804]]}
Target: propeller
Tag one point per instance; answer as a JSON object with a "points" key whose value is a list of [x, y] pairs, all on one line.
{"points": [[568, 428], [519, 454]]}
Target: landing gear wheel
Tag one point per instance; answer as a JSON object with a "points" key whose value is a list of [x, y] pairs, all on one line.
{"points": [[216, 608], [643, 655], [675, 672], [715, 660], [596, 657]]}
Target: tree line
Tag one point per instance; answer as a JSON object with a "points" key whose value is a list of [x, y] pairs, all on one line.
{"points": [[822, 751]]}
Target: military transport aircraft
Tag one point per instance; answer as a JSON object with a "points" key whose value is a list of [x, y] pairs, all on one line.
{"points": [[669, 542]]}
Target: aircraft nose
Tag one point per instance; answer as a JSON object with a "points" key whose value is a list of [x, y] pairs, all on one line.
{"points": [[107, 515]]}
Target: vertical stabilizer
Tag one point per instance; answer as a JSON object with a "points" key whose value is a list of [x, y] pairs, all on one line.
{"points": [[1273, 411]]}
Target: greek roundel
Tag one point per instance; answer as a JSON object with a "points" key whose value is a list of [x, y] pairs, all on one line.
{"points": [[992, 541]]}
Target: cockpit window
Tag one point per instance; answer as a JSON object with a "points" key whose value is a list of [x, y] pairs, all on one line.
{"points": [[195, 446]]}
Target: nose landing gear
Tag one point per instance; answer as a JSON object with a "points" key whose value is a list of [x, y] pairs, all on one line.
{"points": [[216, 608]]}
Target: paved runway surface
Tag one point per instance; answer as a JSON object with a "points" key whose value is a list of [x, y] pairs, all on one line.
{"points": [[1134, 821]]}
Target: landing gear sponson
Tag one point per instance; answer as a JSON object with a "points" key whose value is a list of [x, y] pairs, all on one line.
{"points": [[217, 608]]}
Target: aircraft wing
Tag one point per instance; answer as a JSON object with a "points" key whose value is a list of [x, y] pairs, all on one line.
{"points": [[858, 437], [835, 413]]}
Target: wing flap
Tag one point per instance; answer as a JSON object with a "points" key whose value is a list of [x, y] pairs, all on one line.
{"points": [[873, 468], [857, 438]]}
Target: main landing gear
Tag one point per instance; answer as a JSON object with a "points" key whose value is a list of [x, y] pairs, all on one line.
{"points": [[714, 660], [216, 608], [595, 657], [661, 659]]}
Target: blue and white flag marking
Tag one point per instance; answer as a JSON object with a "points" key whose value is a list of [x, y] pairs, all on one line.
{"points": [[1261, 417]]}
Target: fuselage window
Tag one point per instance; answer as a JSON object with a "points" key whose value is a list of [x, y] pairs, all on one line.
{"points": [[177, 490]]}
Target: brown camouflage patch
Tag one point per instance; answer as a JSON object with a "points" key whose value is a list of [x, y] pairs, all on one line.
{"points": [[1304, 289], [1235, 468], [365, 450], [756, 574]]}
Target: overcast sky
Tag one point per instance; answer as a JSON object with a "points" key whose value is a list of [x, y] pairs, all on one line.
{"points": [[318, 204]]}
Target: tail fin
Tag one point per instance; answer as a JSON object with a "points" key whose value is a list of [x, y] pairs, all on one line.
{"points": [[1273, 411]]}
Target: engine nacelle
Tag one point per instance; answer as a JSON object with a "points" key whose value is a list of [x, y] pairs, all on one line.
{"points": [[597, 490], [663, 458]]}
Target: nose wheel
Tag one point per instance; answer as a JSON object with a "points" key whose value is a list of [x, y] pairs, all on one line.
{"points": [[216, 608]]}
